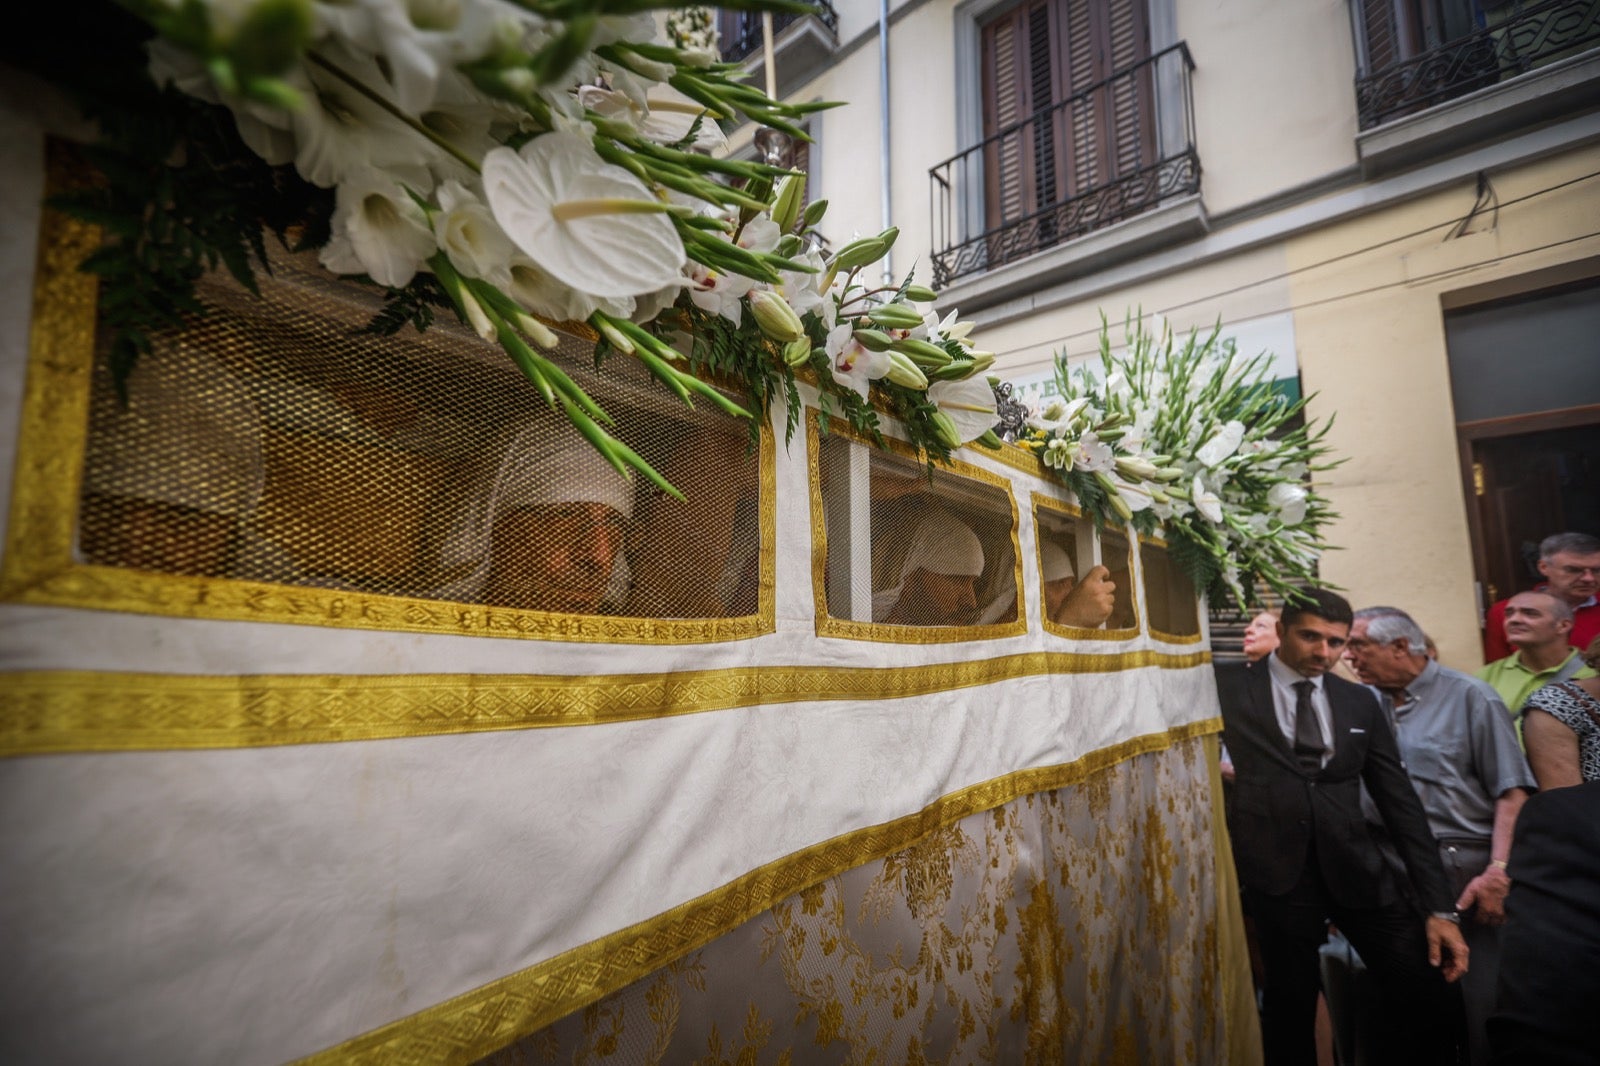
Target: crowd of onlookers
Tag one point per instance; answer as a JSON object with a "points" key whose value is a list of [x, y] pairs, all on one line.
{"points": [[1445, 826]]}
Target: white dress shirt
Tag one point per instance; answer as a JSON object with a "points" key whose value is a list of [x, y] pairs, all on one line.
{"points": [[1284, 698]]}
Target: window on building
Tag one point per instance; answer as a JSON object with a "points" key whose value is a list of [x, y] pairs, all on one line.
{"points": [[1067, 111]]}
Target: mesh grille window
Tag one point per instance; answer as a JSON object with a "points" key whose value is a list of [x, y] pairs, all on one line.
{"points": [[914, 553], [1085, 577], [1169, 595], [271, 442]]}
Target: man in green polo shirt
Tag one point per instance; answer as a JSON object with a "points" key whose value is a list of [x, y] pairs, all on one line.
{"points": [[1537, 625]]}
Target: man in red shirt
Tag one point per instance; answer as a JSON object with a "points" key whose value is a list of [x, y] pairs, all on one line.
{"points": [[1570, 563]]}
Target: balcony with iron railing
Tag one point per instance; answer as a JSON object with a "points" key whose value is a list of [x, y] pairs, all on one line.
{"points": [[1436, 75], [1114, 150], [801, 43]]}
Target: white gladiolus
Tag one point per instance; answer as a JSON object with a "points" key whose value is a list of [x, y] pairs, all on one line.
{"points": [[1223, 444], [1205, 501], [470, 236], [1290, 502], [378, 230], [587, 223]]}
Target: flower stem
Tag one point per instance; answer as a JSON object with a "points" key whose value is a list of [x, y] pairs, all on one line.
{"points": [[415, 124]]}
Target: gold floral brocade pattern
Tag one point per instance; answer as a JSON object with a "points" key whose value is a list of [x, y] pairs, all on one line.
{"points": [[1077, 925]]}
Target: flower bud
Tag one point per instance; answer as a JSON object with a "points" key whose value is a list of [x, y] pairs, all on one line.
{"points": [[775, 317], [945, 428], [874, 340], [896, 316], [790, 246], [981, 361], [859, 254], [923, 353], [903, 371], [786, 206], [797, 352], [475, 316], [813, 213], [921, 294]]}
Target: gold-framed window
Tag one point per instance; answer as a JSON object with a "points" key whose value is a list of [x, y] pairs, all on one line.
{"points": [[905, 557], [1172, 606], [274, 463], [1067, 547]]}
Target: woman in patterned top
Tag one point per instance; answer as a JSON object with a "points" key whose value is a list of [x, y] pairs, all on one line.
{"points": [[1561, 728]]}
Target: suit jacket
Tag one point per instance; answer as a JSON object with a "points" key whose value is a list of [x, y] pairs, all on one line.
{"points": [[1279, 809]]}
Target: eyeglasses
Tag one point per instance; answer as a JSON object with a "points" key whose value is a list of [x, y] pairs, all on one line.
{"points": [[1579, 571]]}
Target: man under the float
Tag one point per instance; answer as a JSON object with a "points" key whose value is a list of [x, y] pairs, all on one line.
{"points": [[544, 531], [1082, 604], [938, 583]]}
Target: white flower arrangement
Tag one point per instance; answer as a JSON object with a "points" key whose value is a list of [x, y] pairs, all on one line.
{"points": [[1190, 438], [547, 161]]}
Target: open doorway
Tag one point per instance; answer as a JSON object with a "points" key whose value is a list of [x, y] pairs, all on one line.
{"points": [[1525, 381]]}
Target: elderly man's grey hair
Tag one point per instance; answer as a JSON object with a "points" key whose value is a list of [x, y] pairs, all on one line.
{"points": [[1385, 625], [1568, 544]]}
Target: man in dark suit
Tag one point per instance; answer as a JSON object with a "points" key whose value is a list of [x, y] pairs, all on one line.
{"points": [[1303, 743]]}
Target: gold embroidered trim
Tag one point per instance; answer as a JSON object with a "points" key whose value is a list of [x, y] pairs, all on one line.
{"points": [[1019, 458], [1050, 503], [470, 1026], [39, 566], [1241, 1026], [829, 626], [54, 711]]}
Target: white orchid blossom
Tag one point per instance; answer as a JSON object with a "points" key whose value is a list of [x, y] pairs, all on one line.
{"points": [[1094, 455], [589, 224], [970, 403], [378, 230]]}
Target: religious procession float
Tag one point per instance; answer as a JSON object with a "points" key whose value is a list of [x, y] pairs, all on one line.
{"points": [[486, 579]]}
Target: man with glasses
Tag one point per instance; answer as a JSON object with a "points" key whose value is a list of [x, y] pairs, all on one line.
{"points": [[1570, 563]]}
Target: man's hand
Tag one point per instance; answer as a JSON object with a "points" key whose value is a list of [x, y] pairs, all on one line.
{"points": [[1447, 946], [1487, 892], [1091, 600]]}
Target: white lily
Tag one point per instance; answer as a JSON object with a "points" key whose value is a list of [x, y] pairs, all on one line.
{"points": [[666, 116], [1057, 415], [970, 404], [378, 230], [469, 235], [1135, 496], [1094, 454], [717, 293], [853, 365], [1221, 445], [800, 288], [1205, 501], [589, 224]]}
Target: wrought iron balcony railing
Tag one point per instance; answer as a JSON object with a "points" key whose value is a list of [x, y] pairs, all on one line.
{"points": [[1112, 151], [740, 31], [1419, 53]]}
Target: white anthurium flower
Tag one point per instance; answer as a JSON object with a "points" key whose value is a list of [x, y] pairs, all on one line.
{"points": [[969, 403], [1094, 455], [589, 224], [1136, 496], [378, 230], [1289, 500], [532, 287], [469, 235], [1223, 444], [1205, 501], [853, 365]]}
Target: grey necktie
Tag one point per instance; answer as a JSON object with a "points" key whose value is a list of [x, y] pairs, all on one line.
{"points": [[1308, 746]]}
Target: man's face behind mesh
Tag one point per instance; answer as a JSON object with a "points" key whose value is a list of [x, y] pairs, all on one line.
{"points": [[556, 558]]}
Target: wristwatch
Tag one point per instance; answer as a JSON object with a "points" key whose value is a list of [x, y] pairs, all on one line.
{"points": [[1449, 916]]}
